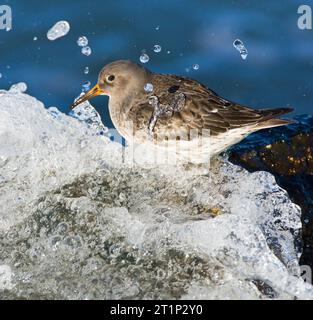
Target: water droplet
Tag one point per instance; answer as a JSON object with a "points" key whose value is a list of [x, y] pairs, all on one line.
{"points": [[157, 48], [144, 58], [86, 51], [35, 39], [195, 67], [82, 41], [168, 52], [148, 87], [157, 28], [86, 86], [55, 242], [73, 241], [60, 29], [62, 228], [18, 88], [86, 70], [0, 75], [122, 196], [238, 44], [184, 193], [114, 250]]}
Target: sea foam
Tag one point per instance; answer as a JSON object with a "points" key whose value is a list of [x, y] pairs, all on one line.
{"points": [[77, 222]]}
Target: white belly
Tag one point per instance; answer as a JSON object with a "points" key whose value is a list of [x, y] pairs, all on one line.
{"points": [[199, 150]]}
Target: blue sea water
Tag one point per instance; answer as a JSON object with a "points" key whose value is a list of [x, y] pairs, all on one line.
{"points": [[277, 72]]}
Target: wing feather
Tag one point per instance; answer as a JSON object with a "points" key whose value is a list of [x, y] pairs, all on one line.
{"points": [[203, 109]]}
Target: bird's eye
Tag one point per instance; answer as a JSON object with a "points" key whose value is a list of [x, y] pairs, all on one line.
{"points": [[110, 78]]}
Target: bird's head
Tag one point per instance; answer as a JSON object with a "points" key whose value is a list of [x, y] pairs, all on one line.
{"points": [[118, 80]]}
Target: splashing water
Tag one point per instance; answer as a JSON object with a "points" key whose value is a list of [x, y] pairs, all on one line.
{"points": [[195, 67], [72, 209], [86, 70], [5, 277], [86, 51], [60, 29], [86, 86], [82, 41], [144, 58], [238, 44], [157, 48], [20, 87], [87, 114], [148, 87]]}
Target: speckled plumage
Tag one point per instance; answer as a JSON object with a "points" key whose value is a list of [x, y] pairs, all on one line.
{"points": [[202, 109]]}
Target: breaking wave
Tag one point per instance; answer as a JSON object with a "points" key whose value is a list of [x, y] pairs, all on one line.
{"points": [[77, 222]]}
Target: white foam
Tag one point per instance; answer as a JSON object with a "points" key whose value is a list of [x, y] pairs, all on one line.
{"points": [[5, 277], [132, 232]]}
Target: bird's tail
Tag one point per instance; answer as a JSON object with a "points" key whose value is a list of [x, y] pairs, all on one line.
{"points": [[269, 118]]}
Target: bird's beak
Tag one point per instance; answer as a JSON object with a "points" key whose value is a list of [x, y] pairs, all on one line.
{"points": [[95, 91]]}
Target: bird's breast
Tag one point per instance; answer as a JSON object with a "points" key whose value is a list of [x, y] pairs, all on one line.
{"points": [[123, 123]]}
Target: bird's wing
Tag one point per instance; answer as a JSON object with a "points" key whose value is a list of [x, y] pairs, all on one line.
{"points": [[203, 109]]}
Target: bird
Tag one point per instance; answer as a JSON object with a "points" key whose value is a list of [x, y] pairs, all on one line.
{"points": [[176, 114]]}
